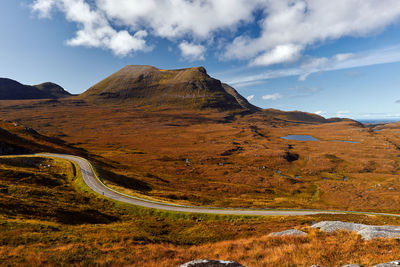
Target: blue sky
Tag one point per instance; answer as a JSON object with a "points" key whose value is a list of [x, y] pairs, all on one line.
{"points": [[334, 58]]}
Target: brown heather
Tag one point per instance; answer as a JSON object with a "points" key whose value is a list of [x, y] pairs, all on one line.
{"points": [[209, 148]]}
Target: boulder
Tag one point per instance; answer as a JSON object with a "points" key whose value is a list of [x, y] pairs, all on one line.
{"points": [[367, 232], [291, 232], [388, 264], [211, 263]]}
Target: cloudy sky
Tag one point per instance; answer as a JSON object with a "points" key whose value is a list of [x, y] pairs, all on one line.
{"points": [[334, 58]]}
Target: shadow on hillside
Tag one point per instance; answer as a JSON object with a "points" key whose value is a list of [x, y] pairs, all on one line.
{"points": [[31, 210], [90, 216], [121, 180]]}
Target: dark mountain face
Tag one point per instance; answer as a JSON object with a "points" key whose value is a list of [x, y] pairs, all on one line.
{"points": [[13, 90], [147, 85], [52, 89]]}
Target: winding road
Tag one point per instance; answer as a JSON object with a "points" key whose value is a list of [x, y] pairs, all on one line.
{"points": [[91, 179]]}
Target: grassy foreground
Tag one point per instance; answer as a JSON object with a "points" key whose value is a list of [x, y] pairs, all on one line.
{"points": [[49, 217]]}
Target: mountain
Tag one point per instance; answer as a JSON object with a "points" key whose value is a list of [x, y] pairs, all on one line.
{"points": [[295, 116], [183, 88], [13, 90], [52, 89], [190, 88]]}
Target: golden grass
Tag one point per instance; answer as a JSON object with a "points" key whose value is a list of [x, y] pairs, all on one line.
{"points": [[151, 146], [145, 237], [334, 249]]}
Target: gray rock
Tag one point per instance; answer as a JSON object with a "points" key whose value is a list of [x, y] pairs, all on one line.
{"points": [[292, 232], [331, 226], [371, 232], [367, 232], [388, 264], [211, 263]]}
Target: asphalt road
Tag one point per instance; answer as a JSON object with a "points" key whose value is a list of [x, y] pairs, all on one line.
{"points": [[91, 179]]}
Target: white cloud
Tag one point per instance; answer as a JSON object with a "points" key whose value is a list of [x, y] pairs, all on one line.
{"points": [[43, 7], [336, 62], [122, 43], [287, 27], [341, 113], [115, 24], [279, 54], [319, 112], [303, 77], [343, 57], [275, 96], [94, 28], [178, 18], [248, 84], [250, 97], [301, 23], [191, 51]]}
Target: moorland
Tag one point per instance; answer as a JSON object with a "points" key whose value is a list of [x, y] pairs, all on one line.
{"points": [[183, 137]]}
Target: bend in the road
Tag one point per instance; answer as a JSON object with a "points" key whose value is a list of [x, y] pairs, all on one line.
{"points": [[93, 182]]}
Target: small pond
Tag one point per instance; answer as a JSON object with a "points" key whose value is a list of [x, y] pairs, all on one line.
{"points": [[299, 137], [353, 142]]}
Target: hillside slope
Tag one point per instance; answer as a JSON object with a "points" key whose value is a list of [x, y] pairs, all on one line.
{"points": [[52, 90], [13, 90], [190, 88], [18, 139]]}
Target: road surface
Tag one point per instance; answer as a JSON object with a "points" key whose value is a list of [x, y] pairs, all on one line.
{"points": [[91, 179]]}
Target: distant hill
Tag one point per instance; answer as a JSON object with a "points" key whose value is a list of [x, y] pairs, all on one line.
{"points": [[301, 117], [184, 88], [295, 116], [52, 89], [13, 90]]}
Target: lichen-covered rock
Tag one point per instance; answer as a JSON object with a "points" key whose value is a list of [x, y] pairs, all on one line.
{"points": [[211, 263], [331, 226], [291, 232], [367, 232], [388, 264]]}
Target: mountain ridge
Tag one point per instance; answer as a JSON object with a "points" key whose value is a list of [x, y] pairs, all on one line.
{"points": [[14, 90], [148, 85], [187, 88]]}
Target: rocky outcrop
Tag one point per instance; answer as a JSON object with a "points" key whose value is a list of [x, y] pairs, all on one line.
{"points": [[219, 263], [367, 232], [211, 263], [388, 264], [291, 232]]}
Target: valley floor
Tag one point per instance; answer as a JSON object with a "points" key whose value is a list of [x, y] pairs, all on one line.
{"points": [[49, 217], [194, 157]]}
